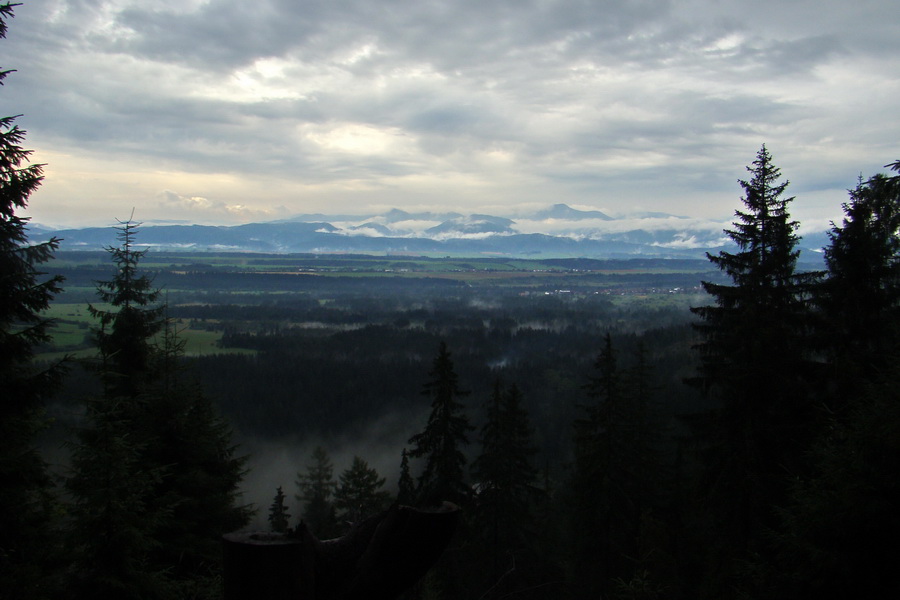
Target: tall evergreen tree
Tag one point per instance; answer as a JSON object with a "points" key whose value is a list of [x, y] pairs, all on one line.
{"points": [[359, 493], [754, 355], [834, 534], [24, 294], [504, 470], [859, 299], [446, 432], [200, 484], [643, 432], [317, 486], [185, 438], [164, 427], [127, 327], [596, 487], [507, 501]]}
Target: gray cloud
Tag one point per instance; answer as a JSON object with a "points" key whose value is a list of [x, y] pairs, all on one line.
{"points": [[482, 103]]}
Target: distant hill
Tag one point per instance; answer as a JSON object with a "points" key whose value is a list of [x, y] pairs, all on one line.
{"points": [[576, 234]]}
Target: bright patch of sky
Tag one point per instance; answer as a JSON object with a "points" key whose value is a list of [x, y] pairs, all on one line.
{"points": [[216, 111]]}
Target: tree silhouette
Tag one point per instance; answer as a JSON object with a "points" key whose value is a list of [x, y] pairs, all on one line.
{"points": [[835, 532], [440, 444], [359, 494], [317, 486], [754, 356], [279, 517], [506, 502], [153, 439], [24, 294], [598, 477], [859, 299], [126, 330]]}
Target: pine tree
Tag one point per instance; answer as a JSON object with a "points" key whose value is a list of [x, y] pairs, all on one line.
{"points": [[279, 517], [359, 494], [507, 501], [859, 299], [754, 356], [834, 536], [596, 487], [189, 442], [616, 480], [126, 330], [164, 427], [25, 502], [200, 484], [317, 487], [504, 471], [642, 434], [443, 477]]}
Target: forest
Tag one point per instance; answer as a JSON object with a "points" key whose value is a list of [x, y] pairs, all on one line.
{"points": [[615, 429]]}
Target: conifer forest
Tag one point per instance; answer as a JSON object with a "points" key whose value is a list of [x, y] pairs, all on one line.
{"points": [[634, 429]]}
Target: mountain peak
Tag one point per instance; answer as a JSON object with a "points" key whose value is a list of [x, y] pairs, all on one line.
{"points": [[566, 212], [473, 224]]}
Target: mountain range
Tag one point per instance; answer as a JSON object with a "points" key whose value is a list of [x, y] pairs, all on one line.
{"points": [[558, 231]]}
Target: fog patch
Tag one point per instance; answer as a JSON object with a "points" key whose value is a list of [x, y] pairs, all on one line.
{"points": [[274, 463]]}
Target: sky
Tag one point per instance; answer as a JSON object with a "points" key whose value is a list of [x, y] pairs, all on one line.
{"points": [[227, 111]]}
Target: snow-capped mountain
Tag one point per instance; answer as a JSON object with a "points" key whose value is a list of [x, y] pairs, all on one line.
{"points": [[557, 231]]}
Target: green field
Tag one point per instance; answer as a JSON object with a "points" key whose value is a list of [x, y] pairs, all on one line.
{"points": [[72, 326]]}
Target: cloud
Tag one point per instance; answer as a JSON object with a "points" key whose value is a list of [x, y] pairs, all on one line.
{"points": [[473, 104], [174, 205]]}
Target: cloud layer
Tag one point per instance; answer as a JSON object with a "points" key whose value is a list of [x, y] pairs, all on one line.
{"points": [[220, 111]]}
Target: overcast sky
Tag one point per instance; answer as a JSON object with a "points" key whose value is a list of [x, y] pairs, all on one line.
{"points": [[228, 111]]}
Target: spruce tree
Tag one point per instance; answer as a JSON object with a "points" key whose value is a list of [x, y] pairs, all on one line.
{"points": [[317, 487], [859, 299], [834, 536], [164, 426], [359, 493], [279, 517], [598, 542], [25, 502], [446, 432], [504, 471], [127, 327], [754, 355], [507, 501], [199, 488], [185, 438]]}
